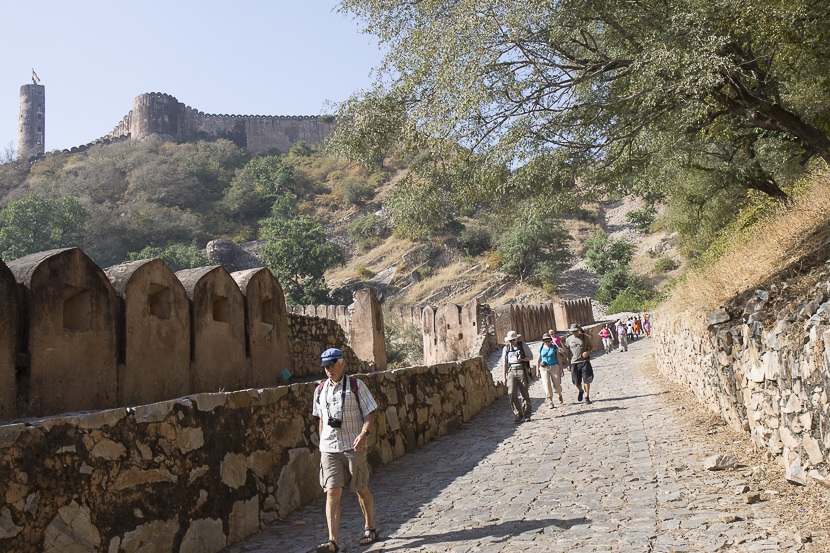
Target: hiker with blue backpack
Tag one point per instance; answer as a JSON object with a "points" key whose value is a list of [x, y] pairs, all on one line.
{"points": [[346, 410]]}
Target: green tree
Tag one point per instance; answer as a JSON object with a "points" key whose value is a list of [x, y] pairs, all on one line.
{"points": [[571, 91], [535, 249], [36, 223], [300, 149], [474, 240], [175, 256], [284, 207], [613, 283], [257, 186], [602, 254], [298, 254]]}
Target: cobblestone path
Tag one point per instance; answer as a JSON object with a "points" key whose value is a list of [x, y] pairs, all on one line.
{"points": [[617, 475]]}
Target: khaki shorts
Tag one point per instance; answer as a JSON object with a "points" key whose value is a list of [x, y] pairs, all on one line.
{"points": [[339, 470]]}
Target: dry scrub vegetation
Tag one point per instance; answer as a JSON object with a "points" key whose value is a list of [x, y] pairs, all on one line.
{"points": [[790, 235]]}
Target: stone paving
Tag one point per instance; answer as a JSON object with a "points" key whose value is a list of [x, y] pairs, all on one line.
{"points": [[617, 475]]}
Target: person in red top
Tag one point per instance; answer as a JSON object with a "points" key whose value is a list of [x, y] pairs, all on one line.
{"points": [[607, 338]]}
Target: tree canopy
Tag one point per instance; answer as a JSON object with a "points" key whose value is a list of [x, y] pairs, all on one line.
{"points": [[578, 95], [35, 223], [298, 254]]}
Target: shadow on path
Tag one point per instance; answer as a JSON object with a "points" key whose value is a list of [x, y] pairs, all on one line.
{"points": [[495, 533], [586, 411]]}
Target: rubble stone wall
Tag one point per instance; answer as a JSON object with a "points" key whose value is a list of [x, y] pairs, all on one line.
{"points": [[764, 372], [199, 473], [309, 337]]}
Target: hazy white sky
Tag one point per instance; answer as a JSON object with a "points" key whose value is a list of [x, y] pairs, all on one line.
{"points": [[247, 57]]}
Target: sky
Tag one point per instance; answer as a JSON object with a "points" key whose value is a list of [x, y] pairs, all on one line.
{"points": [[248, 57]]}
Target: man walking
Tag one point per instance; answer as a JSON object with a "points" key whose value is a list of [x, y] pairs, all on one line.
{"points": [[513, 358], [621, 335], [346, 412], [582, 373]]}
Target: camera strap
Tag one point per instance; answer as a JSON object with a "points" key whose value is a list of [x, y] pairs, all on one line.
{"points": [[344, 382]]}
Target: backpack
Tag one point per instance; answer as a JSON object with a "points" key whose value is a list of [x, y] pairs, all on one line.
{"points": [[352, 386], [526, 364]]}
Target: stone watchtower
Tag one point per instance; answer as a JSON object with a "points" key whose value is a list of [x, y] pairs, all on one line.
{"points": [[30, 129]]}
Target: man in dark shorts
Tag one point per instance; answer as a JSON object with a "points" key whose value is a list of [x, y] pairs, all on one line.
{"points": [[582, 373]]}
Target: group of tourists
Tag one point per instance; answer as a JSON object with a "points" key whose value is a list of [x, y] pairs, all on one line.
{"points": [[555, 356], [626, 332], [574, 354], [346, 408]]}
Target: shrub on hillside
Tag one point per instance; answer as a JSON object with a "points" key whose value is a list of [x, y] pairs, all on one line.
{"points": [[602, 254], [425, 272], [494, 259], [473, 241], [665, 264], [354, 191], [614, 282], [634, 300], [363, 273], [426, 252], [376, 179], [535, 250], [641, 219], [368, 232], [366, 226], [454, 226]]}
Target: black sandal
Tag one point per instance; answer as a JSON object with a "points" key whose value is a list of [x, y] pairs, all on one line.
{"points": [[324, 548], [370, 536]]}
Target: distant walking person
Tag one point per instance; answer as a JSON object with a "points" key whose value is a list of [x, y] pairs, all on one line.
{"points": [[346, 411], [646, 326], [621, 335], [549, 369], [607, 339], [629, 329], [513, 358], [582, 373]]}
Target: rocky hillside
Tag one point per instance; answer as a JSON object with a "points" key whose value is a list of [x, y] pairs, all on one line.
{"points": [[394, 271]]}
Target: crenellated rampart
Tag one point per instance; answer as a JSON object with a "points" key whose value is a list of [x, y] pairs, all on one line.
{"points": [[75, 337], [162, 114]]}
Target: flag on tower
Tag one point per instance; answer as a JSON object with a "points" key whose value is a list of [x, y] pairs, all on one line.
{"points": [[35, 78]]}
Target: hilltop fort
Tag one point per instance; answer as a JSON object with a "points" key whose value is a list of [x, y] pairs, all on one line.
{"points": [[161, 114]]}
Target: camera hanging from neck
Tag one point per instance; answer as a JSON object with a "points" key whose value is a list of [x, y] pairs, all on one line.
{"points": [[344, 382]]}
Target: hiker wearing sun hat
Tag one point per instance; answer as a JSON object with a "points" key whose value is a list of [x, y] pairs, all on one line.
{"points": [[549, 369], [582, 373], [515, 359], [346, 411]]}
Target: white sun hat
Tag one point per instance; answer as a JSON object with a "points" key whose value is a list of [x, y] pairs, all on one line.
{"points": [[512, 336]]}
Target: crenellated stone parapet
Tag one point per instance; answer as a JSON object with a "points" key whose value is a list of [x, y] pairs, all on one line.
{"points": [[74, 337], [161, 114]]}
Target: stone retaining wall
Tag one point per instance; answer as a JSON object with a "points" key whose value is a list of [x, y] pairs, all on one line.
{"points": [[771, 380], [195, 474]]}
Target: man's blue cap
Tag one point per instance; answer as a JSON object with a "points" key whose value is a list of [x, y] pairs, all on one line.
{"points": [[330, 356]]}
